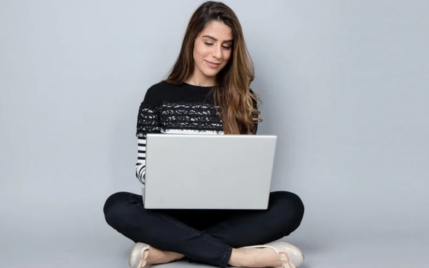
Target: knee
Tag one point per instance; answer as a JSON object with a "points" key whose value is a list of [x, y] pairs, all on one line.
{"points": [[289, 208], [113, 206]]}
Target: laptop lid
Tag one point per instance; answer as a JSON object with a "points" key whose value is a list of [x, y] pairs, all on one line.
{"points": [[208, 171]]}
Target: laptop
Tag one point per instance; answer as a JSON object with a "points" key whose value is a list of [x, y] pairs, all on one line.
{"points": [[211, 171]]}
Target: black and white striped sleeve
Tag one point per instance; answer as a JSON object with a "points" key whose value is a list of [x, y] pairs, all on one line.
{"points": [[141, 159], [147, 122]]}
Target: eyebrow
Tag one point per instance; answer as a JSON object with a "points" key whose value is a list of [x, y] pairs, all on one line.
{"points": [[211, 37]]}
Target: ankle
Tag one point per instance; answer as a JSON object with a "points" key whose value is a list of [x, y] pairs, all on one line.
{"points": [[157, 256], [255, 257], [239, 258]]}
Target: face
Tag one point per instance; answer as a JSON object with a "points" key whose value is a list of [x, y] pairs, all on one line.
{"points": [[212, 49]]}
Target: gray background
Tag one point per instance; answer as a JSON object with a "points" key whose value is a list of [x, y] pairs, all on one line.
{"points": [[344, 85]]}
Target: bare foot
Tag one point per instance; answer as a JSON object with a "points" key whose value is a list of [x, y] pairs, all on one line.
{"points": [[157, 256], [255, 257]]}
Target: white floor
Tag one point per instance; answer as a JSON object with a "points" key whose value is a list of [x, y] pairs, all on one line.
{"points": [[111, 251]]}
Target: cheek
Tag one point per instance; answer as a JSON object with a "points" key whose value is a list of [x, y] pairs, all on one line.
{"points": [[227, 56], [200, 52]]}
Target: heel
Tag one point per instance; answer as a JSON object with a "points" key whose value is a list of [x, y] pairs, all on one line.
{"points": [[139, 255], [290, 255]]}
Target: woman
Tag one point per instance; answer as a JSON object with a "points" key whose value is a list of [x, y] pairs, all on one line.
{"points": [[206, 92]]}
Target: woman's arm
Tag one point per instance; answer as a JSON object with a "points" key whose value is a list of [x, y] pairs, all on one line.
{"points": [[147, 122]]}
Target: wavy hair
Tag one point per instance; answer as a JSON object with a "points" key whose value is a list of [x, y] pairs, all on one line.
{"points": [[232, 90]]}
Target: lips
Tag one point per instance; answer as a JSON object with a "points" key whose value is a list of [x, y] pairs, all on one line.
{"points": [[212, 64]]}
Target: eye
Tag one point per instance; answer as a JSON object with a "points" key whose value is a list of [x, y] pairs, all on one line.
{"points": [[211, 44]]}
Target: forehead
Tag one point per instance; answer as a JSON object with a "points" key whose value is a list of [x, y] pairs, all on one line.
{"points": [[218, 30]]}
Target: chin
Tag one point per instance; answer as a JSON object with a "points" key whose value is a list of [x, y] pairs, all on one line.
{"points": [[210, 74]]}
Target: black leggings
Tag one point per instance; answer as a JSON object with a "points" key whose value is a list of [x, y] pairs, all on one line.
{"points": [[205, 236]]}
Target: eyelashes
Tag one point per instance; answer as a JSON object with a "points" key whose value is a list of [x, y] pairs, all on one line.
{"points": [[210, 44]]}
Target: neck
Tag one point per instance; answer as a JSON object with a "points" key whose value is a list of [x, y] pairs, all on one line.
{"points": [[201, 80]]}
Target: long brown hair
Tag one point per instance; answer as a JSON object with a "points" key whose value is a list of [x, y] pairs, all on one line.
{"points": [[232, 90]]}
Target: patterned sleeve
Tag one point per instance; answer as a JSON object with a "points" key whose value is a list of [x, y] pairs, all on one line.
{"points": [[147, 122]]}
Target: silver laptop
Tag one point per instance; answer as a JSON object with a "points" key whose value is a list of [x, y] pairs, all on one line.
{"points": [[194, 171]]}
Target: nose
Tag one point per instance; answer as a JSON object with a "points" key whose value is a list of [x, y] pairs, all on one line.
{"points": [[217, 52]]}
